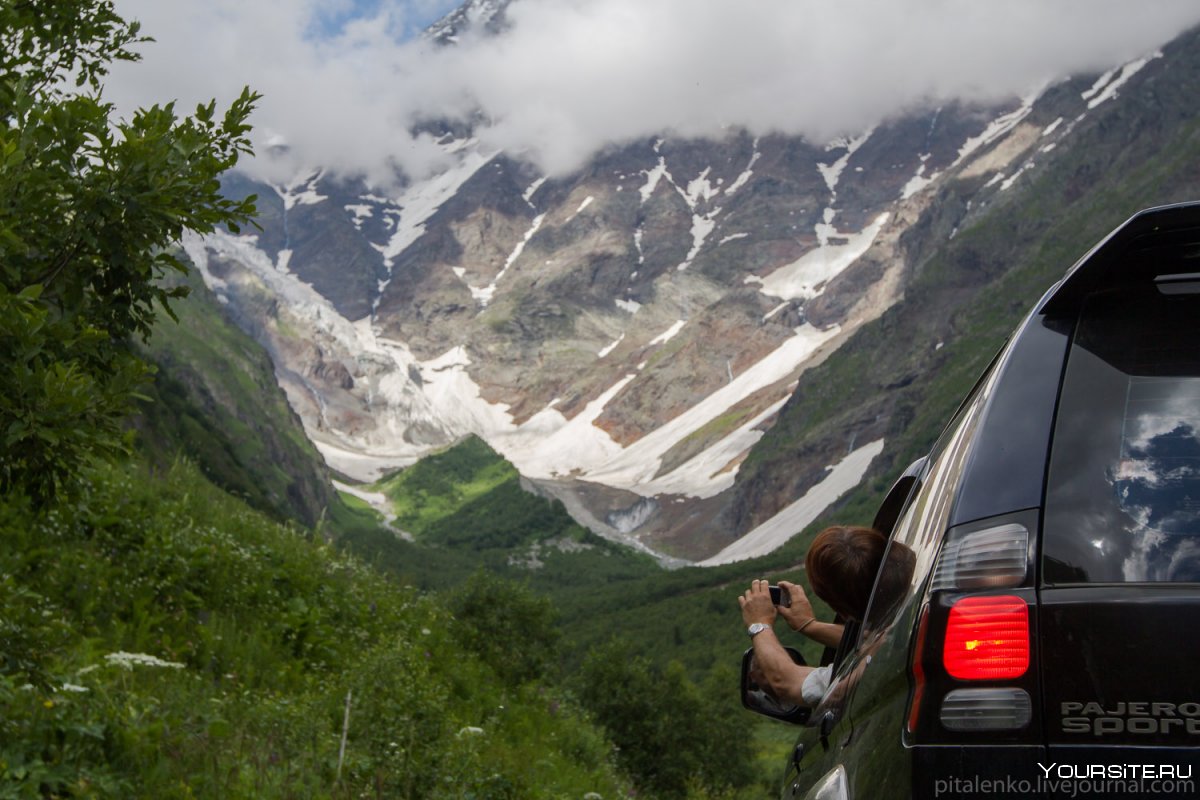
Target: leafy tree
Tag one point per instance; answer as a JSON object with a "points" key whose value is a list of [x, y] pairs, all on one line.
{"points": [[672, 737], [88, 207], [511, 628]]}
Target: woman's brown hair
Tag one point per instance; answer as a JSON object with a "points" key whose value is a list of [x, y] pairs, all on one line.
{"points": [[842, 564]]}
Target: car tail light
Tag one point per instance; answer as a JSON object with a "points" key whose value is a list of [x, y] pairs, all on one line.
{"points": [[986, 709], [987, 638], [918, 670], [990, 558]]}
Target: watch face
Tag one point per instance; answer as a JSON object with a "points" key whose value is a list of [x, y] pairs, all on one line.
{"points": [[758, 628]]}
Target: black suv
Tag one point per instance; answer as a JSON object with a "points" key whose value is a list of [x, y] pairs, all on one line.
{"points": [[1039, 632]]}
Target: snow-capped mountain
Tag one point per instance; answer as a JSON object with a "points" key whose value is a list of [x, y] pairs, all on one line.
{"points": [[625, 334], [474, 15]]}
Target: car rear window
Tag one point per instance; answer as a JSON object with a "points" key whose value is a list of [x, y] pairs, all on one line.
{"points": [[1123, 493]]}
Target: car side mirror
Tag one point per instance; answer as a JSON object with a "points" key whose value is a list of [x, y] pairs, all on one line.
{"points": [[757, 697]]}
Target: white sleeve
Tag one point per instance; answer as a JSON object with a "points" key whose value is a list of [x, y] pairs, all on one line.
{"points": [[816, 683]]}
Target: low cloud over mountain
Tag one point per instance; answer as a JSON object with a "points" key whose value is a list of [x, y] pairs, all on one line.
{"points": [[563, 79]]}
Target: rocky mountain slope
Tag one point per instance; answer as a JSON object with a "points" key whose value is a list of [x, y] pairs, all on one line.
{"points": [[214, 400], [979, 262], [625, 335]]}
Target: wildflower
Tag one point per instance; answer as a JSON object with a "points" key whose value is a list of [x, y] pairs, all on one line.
{"points": [[470, 730], [70, 687], [129, 660]]}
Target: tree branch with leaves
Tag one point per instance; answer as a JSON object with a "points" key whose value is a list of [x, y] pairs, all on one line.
{"points": [[90, 206]]}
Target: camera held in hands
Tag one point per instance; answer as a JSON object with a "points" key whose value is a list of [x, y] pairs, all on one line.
{"points": [[780, 596]]}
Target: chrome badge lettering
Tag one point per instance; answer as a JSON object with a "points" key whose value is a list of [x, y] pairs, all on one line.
{"points": [[1145, 718]]}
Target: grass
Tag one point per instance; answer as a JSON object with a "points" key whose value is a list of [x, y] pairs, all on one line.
{"points": [[248, 638], [442, 484]]}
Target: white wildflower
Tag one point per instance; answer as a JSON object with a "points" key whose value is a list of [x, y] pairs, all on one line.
{"points": [[70, 687], [470, 730], [129, 660]]}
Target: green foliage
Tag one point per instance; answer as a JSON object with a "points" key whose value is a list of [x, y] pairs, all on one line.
{"points": [[505, 517], [87, 204], [439, 485], [469, 497], [62, 394], [507, 625], [671, 740], [160, 639], [469, 501]]}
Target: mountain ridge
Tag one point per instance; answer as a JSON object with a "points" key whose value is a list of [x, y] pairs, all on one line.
{"points": [[638, 325]]}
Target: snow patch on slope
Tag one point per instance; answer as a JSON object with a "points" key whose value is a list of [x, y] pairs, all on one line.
{"points": [[302, 191], [776, 531], [710, 473], [635, 466], [918, 182], [532, 190], [744, 178], [608, 348], [1105, 88], [999, 126], [807, 277], [832, 173], [654, 175], [668, 334], [484, 295], [420, 201]]}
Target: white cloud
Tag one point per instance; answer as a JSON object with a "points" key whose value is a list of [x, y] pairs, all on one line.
{"points": [[571, 76]]}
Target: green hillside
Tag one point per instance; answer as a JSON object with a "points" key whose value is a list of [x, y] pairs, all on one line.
{"points": [[466, 506], [215, 399], [160, 639], [509, 571]]}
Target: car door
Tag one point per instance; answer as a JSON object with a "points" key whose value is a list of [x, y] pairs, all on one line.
{"points": [[817, 754], [817, 768], [853, 744]]}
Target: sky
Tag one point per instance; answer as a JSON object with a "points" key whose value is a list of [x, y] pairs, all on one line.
{"points": [[345, 81]]}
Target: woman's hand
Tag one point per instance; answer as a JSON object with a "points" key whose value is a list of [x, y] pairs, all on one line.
{"points": [[800, 617], [756, 604], [800, 611]]}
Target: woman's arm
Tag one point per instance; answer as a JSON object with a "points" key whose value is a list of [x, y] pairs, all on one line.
{"points": [[783, 677]]}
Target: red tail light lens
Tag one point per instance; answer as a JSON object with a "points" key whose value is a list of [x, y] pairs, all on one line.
{"points": [[987, 638], [918, 671]]}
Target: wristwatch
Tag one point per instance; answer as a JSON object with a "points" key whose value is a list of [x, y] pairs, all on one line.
{"points": [[757, 628]]}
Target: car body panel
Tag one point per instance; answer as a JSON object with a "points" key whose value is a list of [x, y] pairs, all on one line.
{"points": [[1113, 673]]}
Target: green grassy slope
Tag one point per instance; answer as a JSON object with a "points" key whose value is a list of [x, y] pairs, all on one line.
{"points": [[247, 639], [215, 399], [465, 508]]}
